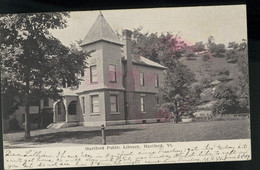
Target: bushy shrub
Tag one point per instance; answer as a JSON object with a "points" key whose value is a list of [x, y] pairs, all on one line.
{"points": [[227, 100], [217, 50], [205, 81], [232, 56], [14, 125], [243, 102], [190, 55], [225, 92], [221, 74], [224, 106], [206, 57], [164, 113]]}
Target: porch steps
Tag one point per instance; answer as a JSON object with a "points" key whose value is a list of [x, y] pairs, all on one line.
{"points": [[56, 125], [59, 125]]}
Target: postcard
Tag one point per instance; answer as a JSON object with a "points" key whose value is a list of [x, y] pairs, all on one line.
{"points": [[125, 87]]}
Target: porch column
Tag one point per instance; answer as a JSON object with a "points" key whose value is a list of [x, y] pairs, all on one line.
{"points": [[54, 111], [66, 111], [54, 117], [66, 115]]}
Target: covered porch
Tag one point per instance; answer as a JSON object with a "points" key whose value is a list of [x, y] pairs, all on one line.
{"points": [[66, 112]]}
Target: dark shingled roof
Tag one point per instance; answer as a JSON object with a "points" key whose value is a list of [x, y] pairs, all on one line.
{"points": [[146, 62], [101, 30]]}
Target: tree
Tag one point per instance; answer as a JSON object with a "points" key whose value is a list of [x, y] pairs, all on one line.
{"points": [[232, 55], [207, 59], [156, 47], [199, 47], [235, 51], [238, 54], [211, 40], [226, 100], [176, 93], [190, 55], [243, 76], [233, 45], [216, 50], [33, 61], [168, 49], [145, 44]]}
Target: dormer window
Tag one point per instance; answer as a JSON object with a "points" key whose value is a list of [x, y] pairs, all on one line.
{"points": [[93, 74], [112, 73]]}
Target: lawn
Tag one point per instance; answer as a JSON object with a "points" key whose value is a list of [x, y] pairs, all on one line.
{"points": [[138, 133]]}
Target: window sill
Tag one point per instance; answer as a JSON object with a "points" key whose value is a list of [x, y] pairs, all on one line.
{"points": [[93, 82], [114, 113], [143, 112], [95, 114]]}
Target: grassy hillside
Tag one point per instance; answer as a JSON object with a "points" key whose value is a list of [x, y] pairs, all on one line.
{"points": [[216, 64]]}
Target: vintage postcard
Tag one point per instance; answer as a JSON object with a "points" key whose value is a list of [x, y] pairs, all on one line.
{"points": [[125, 87]]}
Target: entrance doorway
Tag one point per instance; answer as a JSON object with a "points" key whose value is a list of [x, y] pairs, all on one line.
{"points": [[72, 108], [60, 111]]}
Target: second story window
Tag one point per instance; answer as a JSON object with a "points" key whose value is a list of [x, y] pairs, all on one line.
{"points": [[93, 74], [141, 79], [112, 73], [156, 81]]}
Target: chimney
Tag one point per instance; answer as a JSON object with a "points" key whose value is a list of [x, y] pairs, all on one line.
{"points": [[129, 78], [127, 34], [129, 81]]}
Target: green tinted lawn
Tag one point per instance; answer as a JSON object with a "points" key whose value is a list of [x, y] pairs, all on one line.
{"points": [[138, 133]]}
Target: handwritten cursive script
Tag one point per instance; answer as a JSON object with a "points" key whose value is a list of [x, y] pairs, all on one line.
{"points": [[108, 155]]}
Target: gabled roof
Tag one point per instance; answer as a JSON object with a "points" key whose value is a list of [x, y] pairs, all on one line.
{"points": [[101, 30], [68, 92], [146, 62]]}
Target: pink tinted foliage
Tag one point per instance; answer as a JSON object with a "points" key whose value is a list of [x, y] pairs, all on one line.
{"points": [[180, 43], [164, 113]]}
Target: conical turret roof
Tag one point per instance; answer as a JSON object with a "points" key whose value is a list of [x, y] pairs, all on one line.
{"points": [[101, 30]]}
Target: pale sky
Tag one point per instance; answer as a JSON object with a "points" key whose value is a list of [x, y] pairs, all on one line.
{"points": [[225, 23]]}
